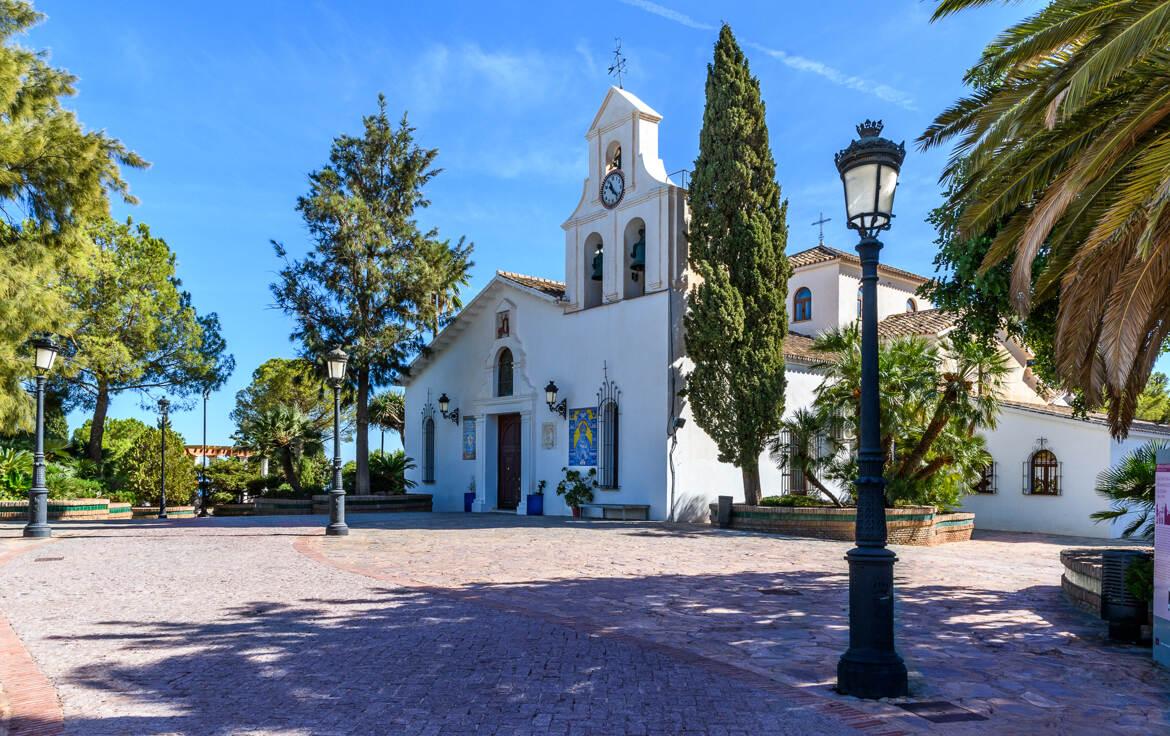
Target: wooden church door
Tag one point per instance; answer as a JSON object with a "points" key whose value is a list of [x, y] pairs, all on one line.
{"points": [[508, 465]]}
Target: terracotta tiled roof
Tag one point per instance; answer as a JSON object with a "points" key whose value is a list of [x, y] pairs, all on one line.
{"points": [[798, 348], [546, 286], [926, 322], [823, 253], [1096, 417]]}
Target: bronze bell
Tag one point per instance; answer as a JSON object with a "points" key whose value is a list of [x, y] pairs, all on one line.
{"points": [[597, 265], [638, 255]]}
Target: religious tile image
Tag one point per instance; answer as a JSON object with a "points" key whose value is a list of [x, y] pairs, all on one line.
{"points": [[583, 437]]}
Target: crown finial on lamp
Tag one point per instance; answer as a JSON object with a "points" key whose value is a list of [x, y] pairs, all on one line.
{"points": [[870, 129]]}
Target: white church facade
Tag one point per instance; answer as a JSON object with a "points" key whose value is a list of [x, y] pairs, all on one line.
{"points": [[610, 339]]}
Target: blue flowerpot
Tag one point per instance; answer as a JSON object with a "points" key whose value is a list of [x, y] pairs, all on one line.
{"points": [[536, 505], [468, 499]]}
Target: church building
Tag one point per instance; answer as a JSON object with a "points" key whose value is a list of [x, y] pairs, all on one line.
{"points": [[536, 375]]}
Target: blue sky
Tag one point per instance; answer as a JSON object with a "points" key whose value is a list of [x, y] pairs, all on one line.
{"points": [[234, 103]]}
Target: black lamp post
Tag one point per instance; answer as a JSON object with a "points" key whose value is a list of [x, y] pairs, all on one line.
{"points": [[550, 398], [871, 667], [203, 477], [38, 495], [335, 362], [163, 406]]}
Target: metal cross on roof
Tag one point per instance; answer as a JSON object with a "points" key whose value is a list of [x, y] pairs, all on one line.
{"points": [[821, 222], [619, 62]]}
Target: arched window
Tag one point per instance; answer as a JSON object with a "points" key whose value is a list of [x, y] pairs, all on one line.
{"points": [[613, 156], [911, 305], [594, 271], [859, 288], [429, 450], [504, 373], [802, 305], [986, 482], [607, 459], [1045, 474]]}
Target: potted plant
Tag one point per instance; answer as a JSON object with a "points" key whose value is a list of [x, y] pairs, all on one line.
{"points": [[577, 488], [469, 497], [536, 500]]}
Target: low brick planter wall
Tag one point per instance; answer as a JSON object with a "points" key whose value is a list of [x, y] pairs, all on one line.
{"points": [[1081, 581], [71, 509], [233, 509], [173, 512], [376, 504], [281, 506], [914, 525]]}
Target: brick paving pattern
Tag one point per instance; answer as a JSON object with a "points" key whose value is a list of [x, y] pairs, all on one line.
{"points": [[223, 627]]}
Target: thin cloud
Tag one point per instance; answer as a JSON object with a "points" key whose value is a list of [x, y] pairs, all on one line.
{"points": [[669, 14], [799, 63]]}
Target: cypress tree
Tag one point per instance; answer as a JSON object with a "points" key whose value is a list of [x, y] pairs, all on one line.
{"points": [[736, 321]]}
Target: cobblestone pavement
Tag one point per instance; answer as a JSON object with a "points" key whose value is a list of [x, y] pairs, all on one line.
{"points": [[981, 624], [235, 626]]}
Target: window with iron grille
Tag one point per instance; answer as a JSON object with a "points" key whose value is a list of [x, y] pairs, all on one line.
{"points": [[1042, 471], [504, 373], [986, 482], [429, 450], [607, 459]]}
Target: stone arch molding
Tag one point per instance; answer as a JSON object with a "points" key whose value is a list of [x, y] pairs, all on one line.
{"points": [[523, 390]]}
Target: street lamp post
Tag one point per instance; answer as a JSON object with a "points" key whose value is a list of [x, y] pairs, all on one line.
{"points": [[38, 495], [335, 362], [871, 667], [203, 478], [163, 406]]}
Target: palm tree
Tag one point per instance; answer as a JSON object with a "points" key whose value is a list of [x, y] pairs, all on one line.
{"points": [[387, 410], [390, 468], [1129, 486], [934, 398], [1061, 152], [805, 441], [282, 432]]}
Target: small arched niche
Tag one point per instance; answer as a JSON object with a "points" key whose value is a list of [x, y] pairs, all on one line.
{"points": [[634, 259], [594, 267]]}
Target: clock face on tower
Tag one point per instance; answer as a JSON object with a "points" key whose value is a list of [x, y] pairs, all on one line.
{"points": [[613, 186]]}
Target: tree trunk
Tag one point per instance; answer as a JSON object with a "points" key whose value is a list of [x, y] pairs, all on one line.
{"points": [[751, 484], [821, 487], [937, 423], [361, 484], [93, 449], [290, 472]]}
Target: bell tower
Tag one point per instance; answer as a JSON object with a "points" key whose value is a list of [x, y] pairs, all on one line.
{"points": [[626, 236]]}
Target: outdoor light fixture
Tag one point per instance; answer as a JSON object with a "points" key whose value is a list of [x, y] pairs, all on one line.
{"points": [[163, 407], [871, 667], [869, 170], [46, 354], [444, 405], [550, 397], [335, 361], [38, 495]]}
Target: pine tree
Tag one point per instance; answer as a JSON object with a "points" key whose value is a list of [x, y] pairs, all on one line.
{"points": [[54, 176], [136, 329], [737, 321], [373, 282]]}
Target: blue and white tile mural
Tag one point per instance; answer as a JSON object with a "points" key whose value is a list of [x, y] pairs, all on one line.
{"points": [[583, 437]]}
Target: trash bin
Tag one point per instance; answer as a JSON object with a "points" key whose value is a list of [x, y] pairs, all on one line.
{"points": [[468, 499]]}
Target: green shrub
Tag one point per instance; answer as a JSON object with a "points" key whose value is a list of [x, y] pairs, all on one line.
{"points": [[1139, 578], [15, 473], [124, 497], [789, 500], [142, 465], [219, 498]]}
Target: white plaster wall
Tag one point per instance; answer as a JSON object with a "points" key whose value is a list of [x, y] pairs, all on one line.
{"points": [[629, 337], [699, 476], [892, 294], [1084, 449], [822, 281]]}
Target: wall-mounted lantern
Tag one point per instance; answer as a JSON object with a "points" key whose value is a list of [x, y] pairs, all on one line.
{"points": [[444, 405], [550, 396]]}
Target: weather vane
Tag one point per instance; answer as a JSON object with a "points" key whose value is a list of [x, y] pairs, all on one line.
{"points": [[821, 222], [619, 62]]}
